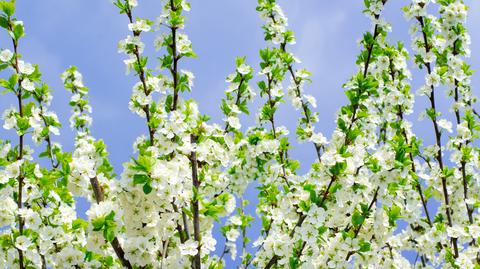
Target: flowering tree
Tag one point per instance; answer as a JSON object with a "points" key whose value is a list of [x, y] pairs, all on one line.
{"points": [[373, 192]]}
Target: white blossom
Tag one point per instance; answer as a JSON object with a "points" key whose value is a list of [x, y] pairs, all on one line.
{"points": [[189, 248], [6, 55], [445, 124]]}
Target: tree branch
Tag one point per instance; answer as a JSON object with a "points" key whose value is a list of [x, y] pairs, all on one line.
{"points": [[141, 75], [438, 138], [20, 146], [196, 263], [99, 197]]}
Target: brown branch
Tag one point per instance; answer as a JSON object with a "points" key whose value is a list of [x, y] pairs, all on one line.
{"points": [[282, 153], [99, 197], [297, 91], [237, 100], [184, 235], [174, 69], [357, 230], [410, 155], [438, 137], [20, 146], [196, 263], [42, 258], [355, 107], [97, 189], [304, 105], [462, 162], [141, 75]]}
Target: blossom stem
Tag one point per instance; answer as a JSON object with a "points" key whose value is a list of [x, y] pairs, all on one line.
{"points": [[184, 234], [196, 263], [347, 141], [42, 258], [460, 147], [224, 251], [283, 153], [438, 137], [272, 104], [174, 69], [462, 162], [164, 252], [244, 238], [305, 108], [353, 118], [99, 197], [357, 230], [237, 100], [410, 155], [20, 148], [20, 156], [141, 75], [47, 137]]}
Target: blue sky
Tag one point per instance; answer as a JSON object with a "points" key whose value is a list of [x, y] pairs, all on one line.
{"points": [[85, 33]]}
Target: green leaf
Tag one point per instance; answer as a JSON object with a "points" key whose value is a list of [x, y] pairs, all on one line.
{"points": [[357, 219], [110, 216], [168, 103], [144, 164], [3, 22], [8, 8], [262, 85], [23, 124], [140, 179], [98, 224], [12, 80], [109, 261], [338, 168], [18, 31], [147, 188], [109, 234], [364, 246], [239, 61], [121, 6], [294, 262], [393, 213], [367, 3], [79, 223]]}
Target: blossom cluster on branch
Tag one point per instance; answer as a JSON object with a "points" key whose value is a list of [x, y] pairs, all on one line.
{"points": [[374, 190]]}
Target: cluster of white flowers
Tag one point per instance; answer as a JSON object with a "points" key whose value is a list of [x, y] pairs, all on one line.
{"points": [[38, 217], [90, 175], [276, 30], [181, 180], [238, 94], [441, 44]]}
